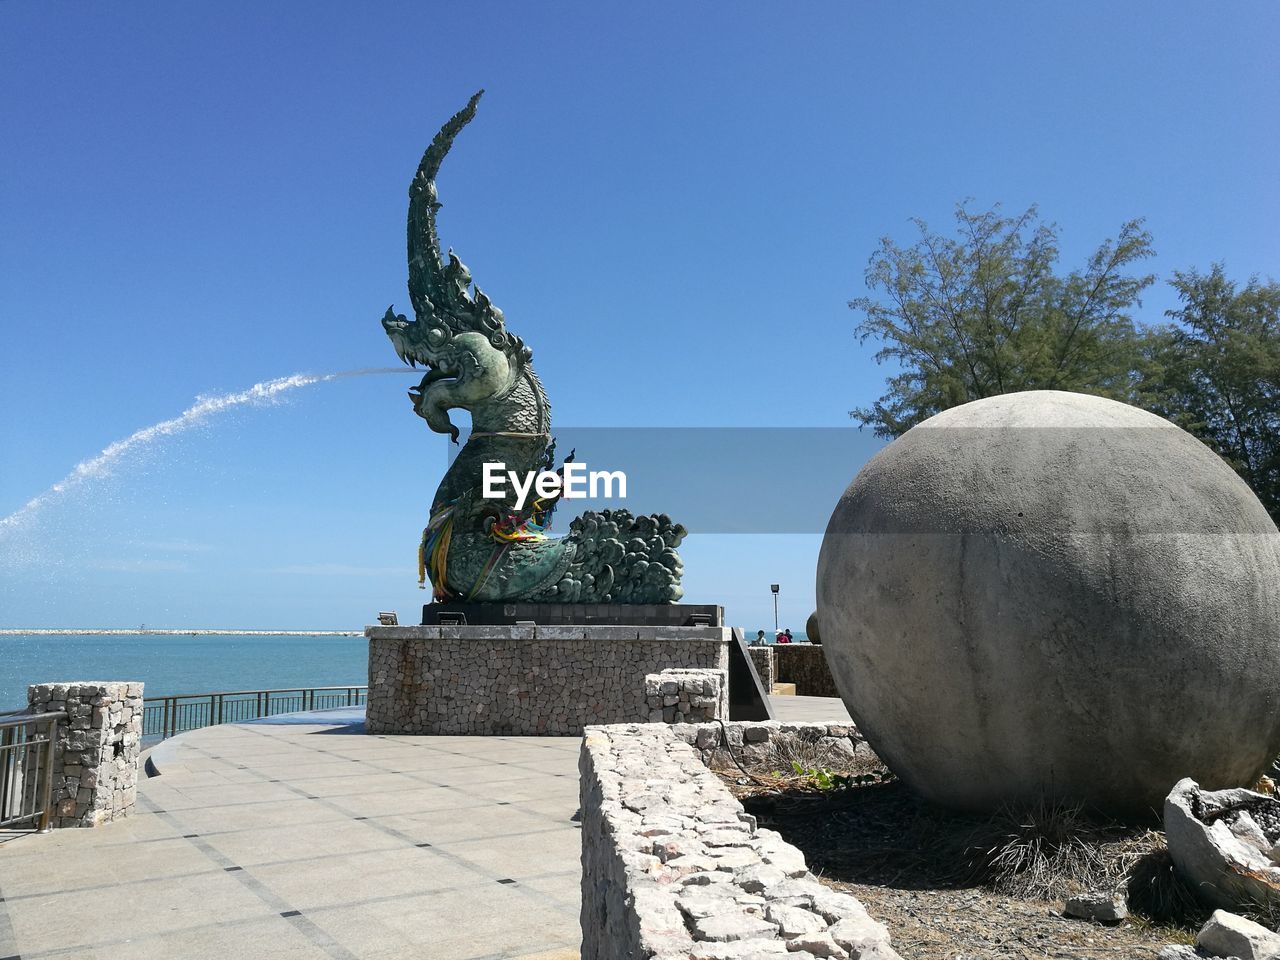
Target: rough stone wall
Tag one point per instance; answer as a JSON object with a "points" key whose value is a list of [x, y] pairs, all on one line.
{"points": [[762, 657], [751, 740], [805, 665], [673, 867], [524, 680], [687, 696], [95, 755]]}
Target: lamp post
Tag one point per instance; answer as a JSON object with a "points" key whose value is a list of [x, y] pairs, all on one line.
{"points": [[774, 588]]}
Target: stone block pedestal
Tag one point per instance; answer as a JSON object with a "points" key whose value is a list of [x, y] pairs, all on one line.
{"points": [[687, 696], [528, 680], [96, 748]]}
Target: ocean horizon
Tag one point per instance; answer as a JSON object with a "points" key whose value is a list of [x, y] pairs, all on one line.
{"points": [[180, 661], [193, 660]]}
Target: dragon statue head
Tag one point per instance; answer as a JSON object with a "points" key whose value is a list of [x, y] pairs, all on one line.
{"points": [[459, 335]]}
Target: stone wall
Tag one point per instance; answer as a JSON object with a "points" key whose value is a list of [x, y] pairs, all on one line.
{"points": [[524, 680], [95, 755], [687, 696], [673, 867], [805, 665], [762, 657], [750, 741]]}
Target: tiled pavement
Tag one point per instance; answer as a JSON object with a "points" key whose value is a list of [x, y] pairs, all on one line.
{"points": [[305, 838], [300, 840]]}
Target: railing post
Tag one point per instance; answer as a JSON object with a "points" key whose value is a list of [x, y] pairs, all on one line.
{"points": [[6, 762], [167, 716], [46, 814]]}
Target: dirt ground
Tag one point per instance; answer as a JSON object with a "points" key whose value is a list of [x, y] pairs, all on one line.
{"points": [[927, 874], [977, 924]]}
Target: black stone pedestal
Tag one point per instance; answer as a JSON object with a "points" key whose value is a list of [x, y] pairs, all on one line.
{"points": [[457, 613]]}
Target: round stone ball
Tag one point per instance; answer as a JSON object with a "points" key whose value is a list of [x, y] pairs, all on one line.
{"points": [[812, 630], [1053, 595]]}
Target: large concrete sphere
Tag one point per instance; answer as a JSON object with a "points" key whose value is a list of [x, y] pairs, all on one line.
{"points": [[812, 629], [1051, 593]]}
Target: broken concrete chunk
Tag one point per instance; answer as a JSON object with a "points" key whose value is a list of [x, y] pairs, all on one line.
{"points": [[1099, 907], [1227, 872], [1244, 827], [1227, 935]]}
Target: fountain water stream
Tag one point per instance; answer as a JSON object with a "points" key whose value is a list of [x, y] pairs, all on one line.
{"points": [[205, 407]]}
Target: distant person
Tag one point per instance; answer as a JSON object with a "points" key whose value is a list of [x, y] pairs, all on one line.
{"points": [[783, 638], [759, 640], [787, 633]]}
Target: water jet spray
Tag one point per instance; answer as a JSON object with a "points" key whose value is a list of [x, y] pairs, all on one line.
{"points": [[205, 406]]}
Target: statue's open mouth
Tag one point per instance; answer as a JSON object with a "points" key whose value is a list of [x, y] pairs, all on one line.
{"points": [[436, 375]]}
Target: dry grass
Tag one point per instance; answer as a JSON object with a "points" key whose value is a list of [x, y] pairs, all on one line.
{"points": [[884, 834], [984, 888], [1053, 850], [1157, 894], [1267, 914], [778, 761]]}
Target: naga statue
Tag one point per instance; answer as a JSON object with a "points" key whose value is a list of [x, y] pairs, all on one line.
{"points": [[484, 549]]}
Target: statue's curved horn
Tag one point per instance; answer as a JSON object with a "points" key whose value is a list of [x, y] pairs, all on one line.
{"points": [[426, 267]]}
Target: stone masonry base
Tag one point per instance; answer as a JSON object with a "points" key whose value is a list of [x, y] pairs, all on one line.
{"points": [[687, 696], [95, 754], [524, 680], [673, 867]]}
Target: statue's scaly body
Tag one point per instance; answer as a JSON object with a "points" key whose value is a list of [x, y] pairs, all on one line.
{"points": [[484, 549]]}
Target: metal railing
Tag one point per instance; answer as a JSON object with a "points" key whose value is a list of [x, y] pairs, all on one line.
{"points": [[26, 769], [166, 716]]}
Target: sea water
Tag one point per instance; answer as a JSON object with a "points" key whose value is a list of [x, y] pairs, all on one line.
{"points": [[178, 663]]}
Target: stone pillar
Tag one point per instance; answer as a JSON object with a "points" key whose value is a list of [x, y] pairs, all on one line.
{"points": [[687, 696], [762, 657], [96, 750]]}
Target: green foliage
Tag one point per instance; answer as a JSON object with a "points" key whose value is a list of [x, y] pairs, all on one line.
{"points": [[823, 778], [1216, 373], [988, 313]]}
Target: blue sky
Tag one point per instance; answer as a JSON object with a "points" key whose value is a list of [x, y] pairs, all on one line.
{"points": [[671, 203]]}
